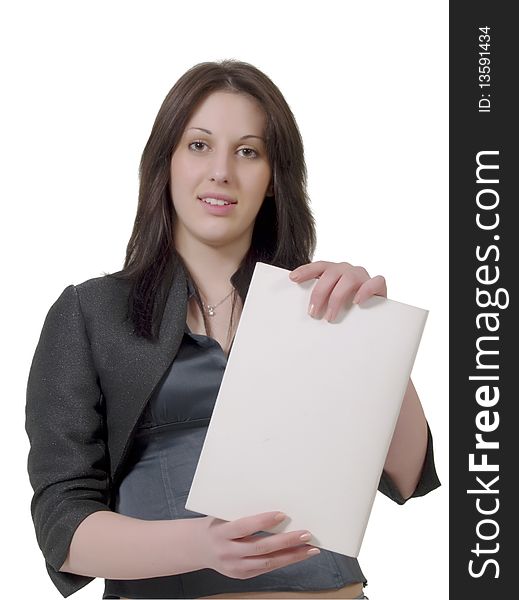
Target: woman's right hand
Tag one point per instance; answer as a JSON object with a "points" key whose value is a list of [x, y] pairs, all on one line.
{"points": [[230, 548]]}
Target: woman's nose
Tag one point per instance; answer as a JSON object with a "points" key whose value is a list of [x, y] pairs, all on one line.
{"points": [[220, 168], [219, 178]]}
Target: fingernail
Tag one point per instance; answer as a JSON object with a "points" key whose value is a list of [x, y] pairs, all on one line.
{"points": [[328, 316], [355, 300], [305, 537], [311, 310], [313, 551], [293, 275], [280, 517]]}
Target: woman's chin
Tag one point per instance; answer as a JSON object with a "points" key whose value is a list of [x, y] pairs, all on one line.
{"points": [[218, 239]]}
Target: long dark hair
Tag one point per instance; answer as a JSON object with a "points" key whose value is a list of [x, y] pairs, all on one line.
{"points": [[284, 229]]}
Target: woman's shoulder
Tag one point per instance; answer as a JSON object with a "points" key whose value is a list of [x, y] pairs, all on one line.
{"points": [[104, 296], [108, 284]]}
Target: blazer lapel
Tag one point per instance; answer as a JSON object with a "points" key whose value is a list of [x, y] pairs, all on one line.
{"points": [[137, 369]]}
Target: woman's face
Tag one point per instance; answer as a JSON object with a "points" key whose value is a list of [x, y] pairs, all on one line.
{"points": [[222, 153]]}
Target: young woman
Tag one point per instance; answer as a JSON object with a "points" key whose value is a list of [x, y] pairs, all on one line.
{"points": [[128, 365]]}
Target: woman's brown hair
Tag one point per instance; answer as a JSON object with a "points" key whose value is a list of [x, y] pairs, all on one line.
{"points": [[284, 229]]}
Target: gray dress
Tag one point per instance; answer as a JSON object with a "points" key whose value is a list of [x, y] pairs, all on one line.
{"points": [[160, 468]]}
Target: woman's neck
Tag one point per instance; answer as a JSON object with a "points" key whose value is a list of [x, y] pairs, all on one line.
{"points": [[212, 267]]}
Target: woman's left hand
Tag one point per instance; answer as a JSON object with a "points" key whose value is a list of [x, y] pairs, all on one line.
{"points": [[338, 283]]}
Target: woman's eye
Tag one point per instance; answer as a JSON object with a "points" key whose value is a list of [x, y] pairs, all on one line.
{"points": [[250, 152], [198, 145]]}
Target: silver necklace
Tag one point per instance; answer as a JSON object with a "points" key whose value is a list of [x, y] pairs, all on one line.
{"points": [[209, 308]]}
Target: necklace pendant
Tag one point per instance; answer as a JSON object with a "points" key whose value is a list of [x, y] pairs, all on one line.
{"points": [[210, 311]]}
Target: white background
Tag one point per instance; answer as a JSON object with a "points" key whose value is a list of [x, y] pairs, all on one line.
{"points": [[367, 82]]}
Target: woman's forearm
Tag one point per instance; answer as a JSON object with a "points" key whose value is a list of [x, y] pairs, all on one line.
{"points": [[408, 447], [113, 546]]}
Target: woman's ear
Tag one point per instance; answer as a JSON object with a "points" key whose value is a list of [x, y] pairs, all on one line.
{"points": [[270, 190]]}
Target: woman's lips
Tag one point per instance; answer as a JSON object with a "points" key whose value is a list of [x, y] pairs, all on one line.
{"points": [[215, 209]]}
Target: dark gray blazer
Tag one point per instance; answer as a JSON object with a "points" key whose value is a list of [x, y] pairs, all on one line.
{"points": [[89, 381]]}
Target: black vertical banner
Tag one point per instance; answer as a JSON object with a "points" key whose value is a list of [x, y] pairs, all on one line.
{"points": [[484, 257]]}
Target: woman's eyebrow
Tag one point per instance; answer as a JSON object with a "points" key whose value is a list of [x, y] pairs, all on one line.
{"points": [[243, 137]]}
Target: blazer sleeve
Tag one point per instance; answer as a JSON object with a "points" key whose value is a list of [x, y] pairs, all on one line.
{"points": [[428, 479], [68, 460]]}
